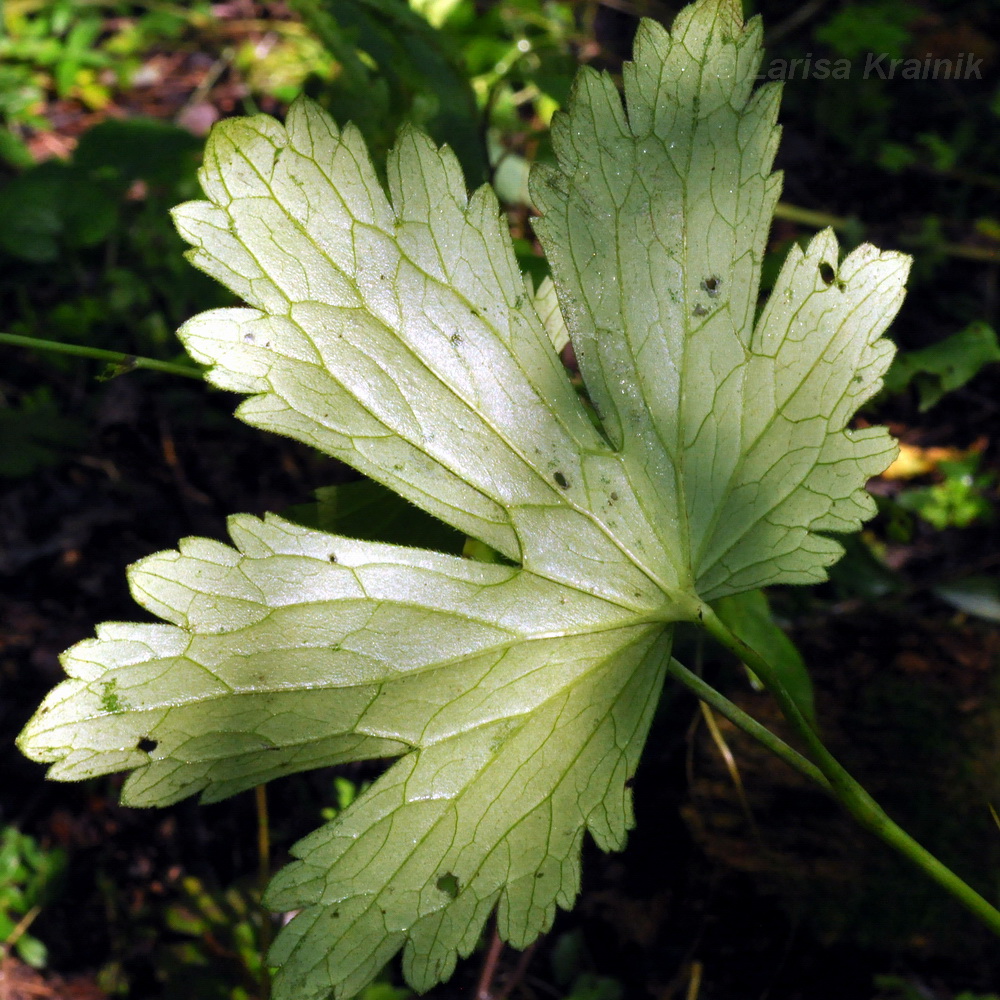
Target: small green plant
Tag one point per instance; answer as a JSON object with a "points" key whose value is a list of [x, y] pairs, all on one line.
{"points": [[216, 929], [712, 456], [64, 49], [345, 792], [958, 500], [28, 873]]}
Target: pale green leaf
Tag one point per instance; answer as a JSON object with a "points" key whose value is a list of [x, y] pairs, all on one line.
{"points": [[396, 332], [654, 224], [547, 306]]}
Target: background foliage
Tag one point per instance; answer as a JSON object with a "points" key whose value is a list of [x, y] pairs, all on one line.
{"points": [[737, 882]]}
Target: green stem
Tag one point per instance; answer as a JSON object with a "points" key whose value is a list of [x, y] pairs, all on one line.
{"points": [[127, 362], [820, 220], [843, 787], [747, 723]]}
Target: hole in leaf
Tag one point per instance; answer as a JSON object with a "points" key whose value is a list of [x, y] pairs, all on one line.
{"points": [[146, 745], [448, 884], [561, 481], [568, 357], [827, 273], [711, 285]]}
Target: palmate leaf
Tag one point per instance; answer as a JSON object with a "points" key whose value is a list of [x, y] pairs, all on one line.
{"points": [[398, 334]]}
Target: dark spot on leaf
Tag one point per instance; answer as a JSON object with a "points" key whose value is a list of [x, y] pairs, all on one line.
{"points": [[336, 914], [539, 874], [448, 884], [613, 497], [827, 273], [629, 782], [332, 557], [699, 310], [146, 745], [561, 481], [711, 285], [456, 338]]}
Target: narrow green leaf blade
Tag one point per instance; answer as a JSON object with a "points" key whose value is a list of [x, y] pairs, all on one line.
{"points": [[748, 616]]}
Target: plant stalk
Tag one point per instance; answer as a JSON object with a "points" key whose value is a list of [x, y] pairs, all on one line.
{"points": [[851, 795], [703, 690], [125, 362]]}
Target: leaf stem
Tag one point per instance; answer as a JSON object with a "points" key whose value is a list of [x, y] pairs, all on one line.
{"points": [[264, 876], [126, 362], [747, 723], [820, 220], [845, 788]]}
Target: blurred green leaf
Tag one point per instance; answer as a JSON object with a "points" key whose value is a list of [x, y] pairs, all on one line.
{"points": [[384, 991], [978, 596], [370, 511], [12, 150], [592, 987], [944, 366], [395, 68], [31, 951], [882, 26], [52, 206], [749, 616], [34, 434], [140, 148], [27, 875]]}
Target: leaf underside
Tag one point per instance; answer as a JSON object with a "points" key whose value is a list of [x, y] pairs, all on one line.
{"points": [[396, 333]]}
